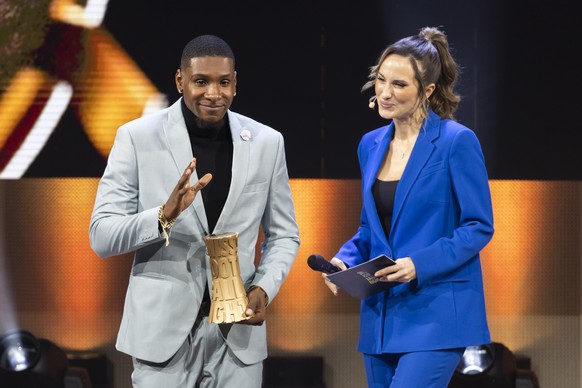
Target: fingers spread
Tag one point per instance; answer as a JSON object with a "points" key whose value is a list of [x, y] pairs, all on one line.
{"points": [[202, 182], [184, 181], [205, 180]]}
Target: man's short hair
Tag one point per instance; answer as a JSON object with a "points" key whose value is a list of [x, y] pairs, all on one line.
{"points": [[205, 46]]}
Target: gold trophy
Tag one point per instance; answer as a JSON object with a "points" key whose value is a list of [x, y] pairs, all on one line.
{"points": [[229, 298]]}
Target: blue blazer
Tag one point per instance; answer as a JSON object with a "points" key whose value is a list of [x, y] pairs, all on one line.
{"points": [[442, 219]]}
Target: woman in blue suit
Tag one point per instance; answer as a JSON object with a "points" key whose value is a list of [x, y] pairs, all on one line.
{"points": [[426, 203]]}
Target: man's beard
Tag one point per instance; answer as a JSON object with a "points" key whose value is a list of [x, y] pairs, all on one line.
{"points": [[206, 125]]}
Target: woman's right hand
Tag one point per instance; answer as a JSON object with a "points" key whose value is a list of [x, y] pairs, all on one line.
{"points": [[340, 264]]}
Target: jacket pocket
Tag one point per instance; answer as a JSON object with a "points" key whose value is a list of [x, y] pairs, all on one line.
{"points": [[431, 169]]}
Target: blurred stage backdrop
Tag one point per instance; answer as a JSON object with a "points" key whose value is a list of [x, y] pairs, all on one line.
{"points": [[72, 71]]}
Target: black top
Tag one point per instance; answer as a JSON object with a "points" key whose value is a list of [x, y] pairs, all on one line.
{"points": [[212, 147], [384, 193]]}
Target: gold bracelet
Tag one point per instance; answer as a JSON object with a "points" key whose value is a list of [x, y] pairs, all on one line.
{"points": [[260, 288], [165, 224]]}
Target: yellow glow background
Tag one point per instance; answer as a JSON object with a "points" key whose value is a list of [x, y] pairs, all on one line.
{"points": [[531, 267]]}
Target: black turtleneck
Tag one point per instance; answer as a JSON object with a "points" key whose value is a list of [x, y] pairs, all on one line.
{"points": [[212, 148]]}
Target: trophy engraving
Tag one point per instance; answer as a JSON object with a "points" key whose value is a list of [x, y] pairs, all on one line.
{"points": [[229, 298]]}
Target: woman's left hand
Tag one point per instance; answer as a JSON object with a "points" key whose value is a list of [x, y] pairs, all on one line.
{"points": [[403, 271]]}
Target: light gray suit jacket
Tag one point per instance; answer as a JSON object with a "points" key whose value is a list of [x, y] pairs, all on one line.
{"points": [[167, 283]]}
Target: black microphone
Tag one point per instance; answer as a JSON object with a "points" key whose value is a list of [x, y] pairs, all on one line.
{"points": [[318, 263]]}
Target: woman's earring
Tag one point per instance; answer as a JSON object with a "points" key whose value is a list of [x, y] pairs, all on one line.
{"points": [[372, 103], [180, 91], [234, 94]]}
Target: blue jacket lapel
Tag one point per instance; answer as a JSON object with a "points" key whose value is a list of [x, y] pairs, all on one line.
{"points": [[372, 164], [420, 154]]}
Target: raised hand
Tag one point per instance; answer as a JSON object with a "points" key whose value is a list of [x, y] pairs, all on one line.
{"points": [[183, 194]]}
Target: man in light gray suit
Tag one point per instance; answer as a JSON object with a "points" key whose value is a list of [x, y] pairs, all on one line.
{"points": [[173, 177]]}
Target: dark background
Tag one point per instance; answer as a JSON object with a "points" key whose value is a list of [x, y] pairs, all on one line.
{"points": [[301, 65]]}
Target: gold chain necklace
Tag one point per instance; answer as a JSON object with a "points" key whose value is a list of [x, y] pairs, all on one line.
{"points": [[405, 150]]}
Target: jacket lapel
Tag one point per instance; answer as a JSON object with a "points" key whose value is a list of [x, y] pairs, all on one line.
{"points": [[241, 139], [376, 156], [178, 140], [421, 152]]}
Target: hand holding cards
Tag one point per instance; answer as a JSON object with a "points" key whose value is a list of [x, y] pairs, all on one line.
{"points": [[359, 281]]}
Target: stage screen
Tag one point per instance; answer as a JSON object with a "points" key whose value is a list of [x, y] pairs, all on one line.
{"points": [[73, 71]]}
